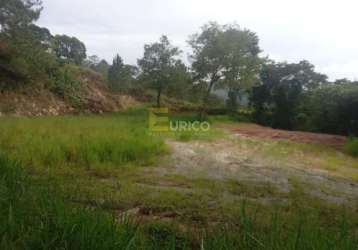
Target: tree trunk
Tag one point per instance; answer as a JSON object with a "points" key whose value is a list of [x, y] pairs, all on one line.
{"points": [[232, 102], [205, 100]]}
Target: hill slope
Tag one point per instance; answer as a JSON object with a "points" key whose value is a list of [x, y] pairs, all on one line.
{"points": [[93, 97]]}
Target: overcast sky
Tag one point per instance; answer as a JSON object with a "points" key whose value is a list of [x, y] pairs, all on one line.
{"points": [[322, 31]]}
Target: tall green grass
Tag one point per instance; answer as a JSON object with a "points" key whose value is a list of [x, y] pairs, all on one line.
{"points": [[302, 232], [35, 216], [36, 213], [85, 141]]}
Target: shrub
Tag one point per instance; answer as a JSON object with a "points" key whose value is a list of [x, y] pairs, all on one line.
{"points": [[67, 85]]}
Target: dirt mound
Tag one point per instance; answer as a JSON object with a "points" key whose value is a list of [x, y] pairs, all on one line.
{"points": [[269, 133], [38, 102], [98, 99], [95, 98]]}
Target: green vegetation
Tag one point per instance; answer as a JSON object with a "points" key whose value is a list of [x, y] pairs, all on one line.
{"points": [[69, 48], [330, 109], [80, 183], [276, 101], [35, 216], [352, 146], [108, 182], [293, 96], [86, 141], [120, 75], [224, 57], [160, 66]]}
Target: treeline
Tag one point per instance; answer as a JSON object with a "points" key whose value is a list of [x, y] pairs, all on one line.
{"points": [[31, 56], [224, 57], [294, 96]]}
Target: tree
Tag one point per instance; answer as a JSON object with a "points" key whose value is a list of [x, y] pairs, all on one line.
{"points": [[41, 35], [102, 67], [277, 100], [24, 54], [97, 64], [69, 48], [225, 56], [158, 65], [344, 81], [114, 72], [120, 75], [92, 61], [331, 108], [180, 83], [18, 14]]}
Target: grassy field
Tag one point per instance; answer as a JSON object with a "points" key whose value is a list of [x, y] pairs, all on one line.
{"points": [[107, 182]]}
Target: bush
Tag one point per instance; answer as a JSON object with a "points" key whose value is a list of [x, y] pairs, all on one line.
{"points": [[67, 85], [24, 61]]}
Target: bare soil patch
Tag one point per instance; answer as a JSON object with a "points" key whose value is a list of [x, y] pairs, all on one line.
{"points": [[95, 98], [263, 177], [277, 134]]}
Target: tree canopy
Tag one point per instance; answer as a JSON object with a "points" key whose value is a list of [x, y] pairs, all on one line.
{"points": [[69, 48], [18, 14], [158, 64], [225, 56], [120, 75], [277, 100]]}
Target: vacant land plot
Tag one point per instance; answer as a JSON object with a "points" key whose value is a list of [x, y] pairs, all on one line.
{"points": [[236, 182]]}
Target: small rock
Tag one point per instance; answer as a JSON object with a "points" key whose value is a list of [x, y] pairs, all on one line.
{"points": [[131, 212]]}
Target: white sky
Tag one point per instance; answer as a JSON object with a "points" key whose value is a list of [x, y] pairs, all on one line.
{"points": [[324, 32]]}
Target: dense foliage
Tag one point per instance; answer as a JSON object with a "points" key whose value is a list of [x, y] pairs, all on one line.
{"points": [[332, 109], [69, 48], [277, 99], [30, 56], [225, 57], [294, 96], [159, 64], [121, 76]]}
